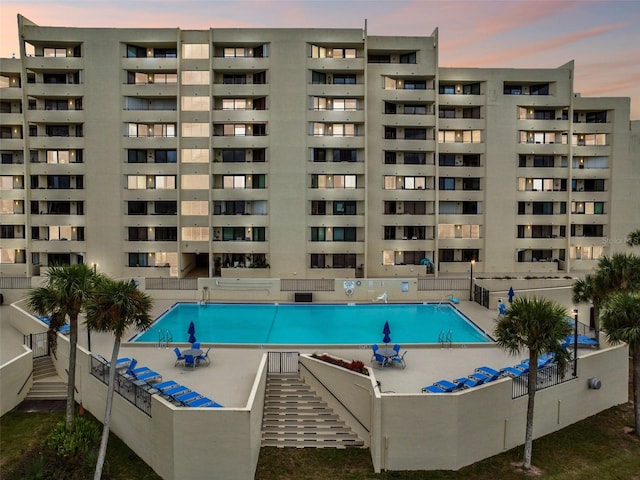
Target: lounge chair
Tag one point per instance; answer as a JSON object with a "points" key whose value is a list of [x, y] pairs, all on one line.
{"points": [[204, 357], [165, 385], [176, 390], [467, 382], [433, 389], [203, 402], [149, 376], [399, 359], [488, 371], [189, 361], [186, 397], [517, 370], [583, 341], [180, 357], [449, 386], [121, 363]]}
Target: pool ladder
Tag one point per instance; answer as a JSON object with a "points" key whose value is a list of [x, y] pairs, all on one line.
{"points": [[445, 338], [164, 338]]}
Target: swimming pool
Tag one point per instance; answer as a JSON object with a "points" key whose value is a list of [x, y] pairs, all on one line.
{"points": [[294, 324]]}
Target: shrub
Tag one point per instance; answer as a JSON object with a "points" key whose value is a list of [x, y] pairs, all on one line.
{"points": [[355, 365]]}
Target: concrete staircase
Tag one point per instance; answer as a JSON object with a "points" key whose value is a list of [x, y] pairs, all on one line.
{"points": [[47, 385], [295, 416]]}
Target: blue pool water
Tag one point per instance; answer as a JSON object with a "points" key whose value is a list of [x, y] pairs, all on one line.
{"points": [[295, 324]]}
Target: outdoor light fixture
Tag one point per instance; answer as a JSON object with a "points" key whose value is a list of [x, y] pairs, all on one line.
{"points": [[471, 280]]}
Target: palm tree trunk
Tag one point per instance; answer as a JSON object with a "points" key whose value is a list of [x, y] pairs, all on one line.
{"points": [[532, 383], [102, 453], [71, 381], [635, 359]]}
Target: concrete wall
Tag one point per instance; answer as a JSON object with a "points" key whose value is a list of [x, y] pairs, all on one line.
{"points": [[14, 375]]}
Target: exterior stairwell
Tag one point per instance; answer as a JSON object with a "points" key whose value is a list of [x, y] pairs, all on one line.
{"points": [[295, 416], [47, 385]]}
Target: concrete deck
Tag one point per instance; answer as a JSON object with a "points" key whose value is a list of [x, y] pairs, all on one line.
{"points": [[229, 378]]}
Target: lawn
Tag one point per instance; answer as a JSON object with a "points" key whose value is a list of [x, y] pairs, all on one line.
{"points": [[596, 448]]}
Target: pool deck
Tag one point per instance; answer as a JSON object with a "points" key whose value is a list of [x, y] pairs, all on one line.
{"points": [[230, 376]]}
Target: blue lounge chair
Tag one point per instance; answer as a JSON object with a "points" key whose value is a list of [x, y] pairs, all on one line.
{"points": [[449, 386], [433, 389], [178, 389], [123, 362], [186, 397], [488, 371], [149, 376], [180, 357], [165, 385], [583, 341], [467, 382], [46, 319], [517, 370], [205, 357]]}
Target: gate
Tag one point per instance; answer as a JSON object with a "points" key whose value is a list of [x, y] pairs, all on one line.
{"points": [[481, 295], [38, 343], [283, 362]]}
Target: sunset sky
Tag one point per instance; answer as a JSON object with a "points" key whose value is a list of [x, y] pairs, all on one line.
{"points": [[603, 37]]}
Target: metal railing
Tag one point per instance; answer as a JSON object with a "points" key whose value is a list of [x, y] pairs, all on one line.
{"points": [[135, 392], [15, 282], [440, 284], [307, 285], [283, 362], [481, 295], [38, 343], [170, 283], [547, 377]]}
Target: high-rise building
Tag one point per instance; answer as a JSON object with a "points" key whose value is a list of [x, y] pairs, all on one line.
{"points": [[324, 152]]}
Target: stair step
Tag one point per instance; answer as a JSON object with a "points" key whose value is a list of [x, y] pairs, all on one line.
{"points": [[296, 417]]}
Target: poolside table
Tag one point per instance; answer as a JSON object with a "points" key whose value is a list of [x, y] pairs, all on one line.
{"points": [[195, 352], [388, 354]]}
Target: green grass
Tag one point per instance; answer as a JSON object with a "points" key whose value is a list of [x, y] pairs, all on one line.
{"points": [[596, 448]]}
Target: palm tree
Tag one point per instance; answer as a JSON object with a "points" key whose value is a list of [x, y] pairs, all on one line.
{"points": [[620, 317], [63, 295], [633, 239], [539, 326], [114, 307], [618, 272]]}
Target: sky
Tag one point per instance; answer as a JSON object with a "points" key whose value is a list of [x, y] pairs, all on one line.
{"points": [[603, 37]]}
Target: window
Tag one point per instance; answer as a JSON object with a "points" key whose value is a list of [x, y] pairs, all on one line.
{"points": [[194, 207], [137, 234], [344, 207], [194, 155], [136, 207], [318, 78], [319, 155], [345, 155], [233, 156], [195, 77], [195, 233], [195, 182], [512, 89], [415, 158], [471, 184], [58, 156], [471, 89], [195, 129], [165, 207], [136, 52], [318, 52], [471, 136], [317, 260], [333, 181], [344, 234], [410, 57], [136, 156], [165, 182], [139, 259], [447, 183], [415, 133], [545, 161], [318, 207], [344, 53], [541, 89], [389, 232], [390, 158], [166, 234], [344, 260], [471, 112], [237, 52], [447, 160], [195, 104], [344, 79], [415, 109], [233, 181], [234, 104], [446, 89], [318, 234], [234, 129], [415, 85], [344, 130], [165, 156], [446, 136], [195, 50], [542, 208], [378, 58], [234, 79], [345, 104]]}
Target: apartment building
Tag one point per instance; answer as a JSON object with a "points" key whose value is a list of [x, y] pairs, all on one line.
{"points": [[314, 153]]}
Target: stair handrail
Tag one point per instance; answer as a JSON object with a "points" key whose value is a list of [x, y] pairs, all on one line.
{"points": [[25, 382]]}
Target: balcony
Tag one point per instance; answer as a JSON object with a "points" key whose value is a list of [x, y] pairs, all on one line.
{"points": [[238, 116], [164, 90], [55, 90], [56, 116], [150, 63], [237, 64], [240, 90], [53, 63]]}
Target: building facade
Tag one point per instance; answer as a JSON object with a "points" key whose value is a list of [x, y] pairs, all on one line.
{"points": [[313, 153]]}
